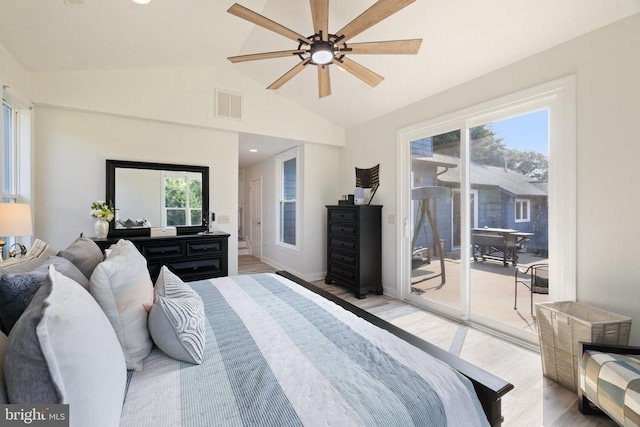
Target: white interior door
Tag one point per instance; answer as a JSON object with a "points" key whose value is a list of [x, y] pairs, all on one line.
{"points": [[255, 217]]}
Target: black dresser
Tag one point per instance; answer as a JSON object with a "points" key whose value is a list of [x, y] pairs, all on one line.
{"points": [[354, 245], [190, 257]]}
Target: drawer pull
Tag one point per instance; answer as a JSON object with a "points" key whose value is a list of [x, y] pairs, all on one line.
{"points": [[195, 267]]}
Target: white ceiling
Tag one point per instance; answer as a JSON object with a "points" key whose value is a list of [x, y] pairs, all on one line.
{"points": [[462, 39]]}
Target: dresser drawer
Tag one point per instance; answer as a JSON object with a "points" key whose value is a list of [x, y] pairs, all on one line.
{"points": [[342, 274], [204, 248], [336, 243], [163, 250], [349, 215], [197, 267], [344, 258], [343, 229]]}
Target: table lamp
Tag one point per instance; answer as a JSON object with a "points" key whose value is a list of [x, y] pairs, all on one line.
{"points": [[15, 220]]}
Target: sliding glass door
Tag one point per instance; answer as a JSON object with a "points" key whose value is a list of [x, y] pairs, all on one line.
{"points": [[481, 202]]}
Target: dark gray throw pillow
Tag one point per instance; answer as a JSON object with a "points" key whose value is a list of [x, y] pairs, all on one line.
{"points": [[16, 290], [84, 254], [64, 350]]}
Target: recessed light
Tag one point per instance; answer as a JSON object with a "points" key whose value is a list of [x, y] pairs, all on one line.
{"points": [[141, 1], [253, 150]]}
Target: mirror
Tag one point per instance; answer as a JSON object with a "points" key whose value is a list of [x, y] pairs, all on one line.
{"points": [[149, 195]]}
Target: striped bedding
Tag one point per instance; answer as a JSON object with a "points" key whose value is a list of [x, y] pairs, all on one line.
{"points": [[278, 354]]}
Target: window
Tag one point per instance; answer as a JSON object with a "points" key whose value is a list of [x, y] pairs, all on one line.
{"points": [[9, 152], [287, 170], [15, 146], [522, 210], [182, 199]]}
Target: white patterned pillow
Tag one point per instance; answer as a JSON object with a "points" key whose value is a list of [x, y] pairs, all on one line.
{"points": [[176, 320], [121, 285]]}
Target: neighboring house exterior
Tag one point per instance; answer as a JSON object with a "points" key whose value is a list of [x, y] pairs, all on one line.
{"points": [[500, 198]]}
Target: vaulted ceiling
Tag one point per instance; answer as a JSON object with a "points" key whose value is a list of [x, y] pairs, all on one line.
{"points": [[462, 39]]}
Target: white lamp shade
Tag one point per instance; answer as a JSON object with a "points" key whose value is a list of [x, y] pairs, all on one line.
{"points": [[15, 219]]}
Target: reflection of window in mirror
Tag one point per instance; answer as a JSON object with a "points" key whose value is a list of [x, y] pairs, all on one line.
{"points": [[182, 195]]}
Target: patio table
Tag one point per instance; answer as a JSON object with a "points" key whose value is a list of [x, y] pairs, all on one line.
{"points": [[501, 244]]}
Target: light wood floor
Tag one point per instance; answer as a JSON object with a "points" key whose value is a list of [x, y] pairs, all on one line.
{"points": [[535, 401]]}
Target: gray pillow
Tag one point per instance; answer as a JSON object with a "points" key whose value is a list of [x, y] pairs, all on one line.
{"points": [[176, 320], [84, 254], [3, 385], [63, 350], [121, 285], [16, 290]]}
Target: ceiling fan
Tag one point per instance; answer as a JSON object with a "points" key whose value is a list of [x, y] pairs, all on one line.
{"points": [[323, 48]]}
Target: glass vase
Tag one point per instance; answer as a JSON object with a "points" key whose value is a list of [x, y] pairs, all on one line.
{"points": [[101, 228]]}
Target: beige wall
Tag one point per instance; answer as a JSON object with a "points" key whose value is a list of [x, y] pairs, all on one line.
{"points": [[606, 63]]}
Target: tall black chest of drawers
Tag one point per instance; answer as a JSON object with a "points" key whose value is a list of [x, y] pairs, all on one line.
{"points": [[354, 247], [190, 257]]}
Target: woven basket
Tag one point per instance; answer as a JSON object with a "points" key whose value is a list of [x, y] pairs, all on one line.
{"points": [[562, 325]]}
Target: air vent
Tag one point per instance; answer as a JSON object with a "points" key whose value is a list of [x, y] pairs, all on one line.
{"points": [[74, 2], [229, 105]]}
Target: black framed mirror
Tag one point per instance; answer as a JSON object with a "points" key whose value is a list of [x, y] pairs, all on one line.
{"points": [[149, 195]]}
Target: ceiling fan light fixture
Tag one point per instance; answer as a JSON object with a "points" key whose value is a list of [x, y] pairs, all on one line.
{"points": [[321, 52]]}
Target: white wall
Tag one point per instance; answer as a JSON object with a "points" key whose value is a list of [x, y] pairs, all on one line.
{"points": [[183, 95], [12, 74], [71, 149], [607, 65], [318, 165]]}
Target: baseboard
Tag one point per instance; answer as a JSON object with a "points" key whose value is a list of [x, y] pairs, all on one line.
{"points": [[311, 277]]}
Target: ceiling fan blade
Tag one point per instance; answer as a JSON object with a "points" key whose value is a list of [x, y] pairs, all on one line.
{"points": [[324, 81], [265, 55], [320, 15], [289, 74], [361, 72], [256, 18], [398, 47], [380, 10]]}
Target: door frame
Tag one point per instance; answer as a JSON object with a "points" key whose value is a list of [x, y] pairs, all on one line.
{"points": [[255, 242]]}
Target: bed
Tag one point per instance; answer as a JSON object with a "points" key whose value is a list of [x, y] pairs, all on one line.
{"points": [[280, 351]]}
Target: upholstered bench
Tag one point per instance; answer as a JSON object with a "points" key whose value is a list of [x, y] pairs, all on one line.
{"points": [[610, 379]]}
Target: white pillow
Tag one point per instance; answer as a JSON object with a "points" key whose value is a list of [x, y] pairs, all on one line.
{"points": [[176, 320], [63, 350], [121, 285]]}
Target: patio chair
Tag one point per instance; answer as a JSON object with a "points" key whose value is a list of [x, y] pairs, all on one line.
{"points": [[535, 278]]}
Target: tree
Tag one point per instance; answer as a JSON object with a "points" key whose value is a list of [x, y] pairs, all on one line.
{"points": [[529, 163], [489, 149]]}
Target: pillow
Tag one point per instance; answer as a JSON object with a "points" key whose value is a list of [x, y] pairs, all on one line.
{"points": [[63, 350], [176, 320], [16, 290], [85, 254], [121, 285], [35, 256], [3, 385]]}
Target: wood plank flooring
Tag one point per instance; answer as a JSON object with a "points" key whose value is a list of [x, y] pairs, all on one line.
{"points": [[535, 401]]}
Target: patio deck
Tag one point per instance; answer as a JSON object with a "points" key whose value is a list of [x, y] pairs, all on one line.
{"points": [[492, 289]]}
